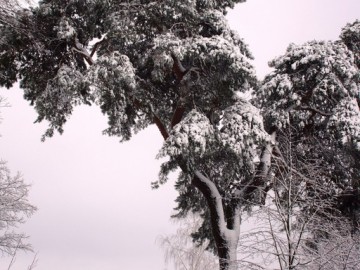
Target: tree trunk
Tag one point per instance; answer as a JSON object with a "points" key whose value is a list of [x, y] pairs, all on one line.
{"points": [[225, 231], [227, 255]]}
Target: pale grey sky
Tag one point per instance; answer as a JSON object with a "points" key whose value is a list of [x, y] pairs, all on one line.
{"points": [[268, 26], [96, 207]]}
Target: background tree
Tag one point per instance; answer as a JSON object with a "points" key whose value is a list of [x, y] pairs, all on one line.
{"points": [[337, 251], [181, 250], [14, 208], [314, 88], [300, 226]]}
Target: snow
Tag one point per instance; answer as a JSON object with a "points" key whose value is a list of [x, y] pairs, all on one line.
{"points": [[345, 123], [324, 72], [231, 235], [65, 30], [112, 71], [216, 51], [193, 136], [243, 131], [61, 90]]}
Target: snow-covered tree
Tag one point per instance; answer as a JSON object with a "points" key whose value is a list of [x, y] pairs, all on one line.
{"points": [[350, 35], [173, 64], [177, 65], [14, 208], [299, 226], [314, 88], [181, 251]]}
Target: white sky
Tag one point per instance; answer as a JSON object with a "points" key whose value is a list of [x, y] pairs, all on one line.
{"points": [[96, 207]]}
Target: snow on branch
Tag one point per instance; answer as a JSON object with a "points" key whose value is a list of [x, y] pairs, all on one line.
{"points": [[243, 132], [14, 208], [345, 123], [191, 137]]}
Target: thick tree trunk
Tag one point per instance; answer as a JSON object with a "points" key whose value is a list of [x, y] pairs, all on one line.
{"points": [[226, 230], [226, 234], [227, 254]]}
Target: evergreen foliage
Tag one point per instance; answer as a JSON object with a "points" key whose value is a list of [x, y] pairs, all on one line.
{"points": [[314, 89]]}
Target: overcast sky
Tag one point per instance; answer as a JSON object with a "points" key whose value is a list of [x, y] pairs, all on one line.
{"points": [[96, 207]]}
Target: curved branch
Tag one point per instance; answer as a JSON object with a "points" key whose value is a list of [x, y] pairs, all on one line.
{"points": [[225, 238], [96, 45], [157, 121], [178, 69], [79, 48], [314, 110], [212, 195]]}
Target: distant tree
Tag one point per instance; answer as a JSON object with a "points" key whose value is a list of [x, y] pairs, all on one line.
{"points": [[31, 266], [338, 251], [14, 208], [178, 65], [183, 252]]}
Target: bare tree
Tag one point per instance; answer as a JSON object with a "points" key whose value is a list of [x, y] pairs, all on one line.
{"points": [[339, 250], [299, 227], [31, 266], [183, 252], [14, 208]]}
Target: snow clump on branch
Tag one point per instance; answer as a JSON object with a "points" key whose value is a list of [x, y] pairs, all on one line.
{"points": [[112, 81], [65, 30], [243, 132], [193, 136], [309, 78], [345, 122]]}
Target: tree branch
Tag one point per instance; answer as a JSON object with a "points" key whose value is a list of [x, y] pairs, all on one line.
{"points": [[79, 48], [224, 236], [178, 69], [178, 114], [160, 126], [95, 47], [259, 179], [212, 195], [155, 119], [314, 110]]}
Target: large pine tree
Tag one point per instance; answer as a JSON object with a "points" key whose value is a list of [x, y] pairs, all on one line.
{"points": [[178, 65]]}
